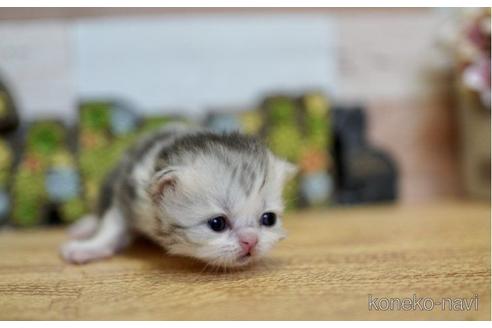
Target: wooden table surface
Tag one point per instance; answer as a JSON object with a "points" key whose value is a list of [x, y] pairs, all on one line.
{"points": [[332, 260]]}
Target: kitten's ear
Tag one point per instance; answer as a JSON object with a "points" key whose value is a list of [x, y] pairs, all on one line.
{"points": [[286, 170], [162, 182]]}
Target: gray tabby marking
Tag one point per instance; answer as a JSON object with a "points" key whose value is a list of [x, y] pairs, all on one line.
{"points": [[213, 174]]}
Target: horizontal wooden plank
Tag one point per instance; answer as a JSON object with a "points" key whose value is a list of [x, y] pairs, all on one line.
{"points": [[332, 260]]}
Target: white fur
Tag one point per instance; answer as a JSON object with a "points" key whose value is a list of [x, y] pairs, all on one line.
{"points": [[202, 188], [85, 227], [201, 193], [111, 237]]}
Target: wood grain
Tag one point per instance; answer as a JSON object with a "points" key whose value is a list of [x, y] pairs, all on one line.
{"points": [[326, 268]]}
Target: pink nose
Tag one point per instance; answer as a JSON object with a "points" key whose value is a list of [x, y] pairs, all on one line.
{"points": [[248, 241]]}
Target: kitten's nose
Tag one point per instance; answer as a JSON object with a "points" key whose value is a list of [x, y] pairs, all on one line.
{"points": [[247, 240]]}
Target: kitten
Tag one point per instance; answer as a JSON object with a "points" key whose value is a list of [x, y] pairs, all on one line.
{"points": [[214, 197]]}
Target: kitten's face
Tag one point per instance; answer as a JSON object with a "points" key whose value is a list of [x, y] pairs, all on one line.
{"points": [[226, 215]]}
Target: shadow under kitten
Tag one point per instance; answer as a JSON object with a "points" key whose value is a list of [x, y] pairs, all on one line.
{"points": [[144, 250]]}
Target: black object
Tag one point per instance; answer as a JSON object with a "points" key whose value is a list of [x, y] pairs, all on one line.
{"points": [[363, 174], [9, 120]]}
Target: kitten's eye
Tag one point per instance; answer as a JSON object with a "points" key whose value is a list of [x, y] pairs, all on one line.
{"points": [[268, 219], [217, 224]]}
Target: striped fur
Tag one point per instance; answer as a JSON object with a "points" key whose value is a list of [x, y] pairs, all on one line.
{"points": [[173, 181]]}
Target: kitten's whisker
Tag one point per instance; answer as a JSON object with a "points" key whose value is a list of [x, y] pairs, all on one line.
{"points": [[204, 268]]}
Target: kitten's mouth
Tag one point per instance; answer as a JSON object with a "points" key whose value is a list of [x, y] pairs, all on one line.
{"points": [[245, 258]]}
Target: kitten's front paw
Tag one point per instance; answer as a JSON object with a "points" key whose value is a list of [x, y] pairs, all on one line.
{"points": [[80, 252], [84, 228]]}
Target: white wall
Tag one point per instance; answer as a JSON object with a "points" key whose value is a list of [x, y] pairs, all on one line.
{"points": [[36, 64], [166, 63]]}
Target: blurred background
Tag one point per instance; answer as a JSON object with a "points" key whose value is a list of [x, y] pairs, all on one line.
{"points": [[374, 105]]}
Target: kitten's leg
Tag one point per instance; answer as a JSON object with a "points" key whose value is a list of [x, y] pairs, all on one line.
{"points": [[84, 228], [113, 234]]}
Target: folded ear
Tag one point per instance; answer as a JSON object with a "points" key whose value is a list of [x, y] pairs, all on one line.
{"points": [[162, 182], [285, 170]]}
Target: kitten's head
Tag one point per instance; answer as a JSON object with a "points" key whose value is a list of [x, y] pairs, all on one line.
{"points": [[223, 197]]}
